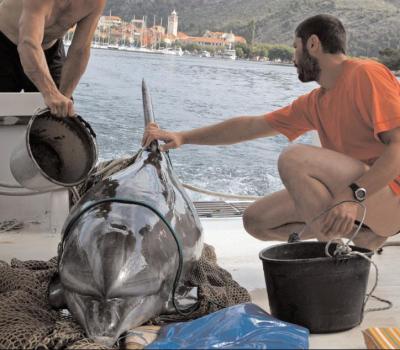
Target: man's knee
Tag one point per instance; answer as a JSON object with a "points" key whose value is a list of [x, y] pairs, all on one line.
{"points": [[255, 225], [248, 220], [369, 240], [291, 160], [251, 222]]}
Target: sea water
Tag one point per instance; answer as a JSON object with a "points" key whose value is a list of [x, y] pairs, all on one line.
{"points": [[189, 92]]}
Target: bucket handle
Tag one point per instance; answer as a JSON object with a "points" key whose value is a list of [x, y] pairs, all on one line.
{"points": [[86, 124], [296, 237], [42, 110]]}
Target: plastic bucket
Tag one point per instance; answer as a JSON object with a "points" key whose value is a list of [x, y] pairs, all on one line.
{"points": [[308, 288], [55, 153]]}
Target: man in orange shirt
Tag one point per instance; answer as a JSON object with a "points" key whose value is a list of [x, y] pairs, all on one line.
{"points": [[356, 112]]}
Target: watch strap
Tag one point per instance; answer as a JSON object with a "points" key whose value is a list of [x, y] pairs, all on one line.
{"points": [[354, 187]]}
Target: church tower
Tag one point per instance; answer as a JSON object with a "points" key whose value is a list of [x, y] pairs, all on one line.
{"points": [[173, 24]]}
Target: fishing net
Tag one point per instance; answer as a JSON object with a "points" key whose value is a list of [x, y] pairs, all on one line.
{"points": [[26, 319], [28, 322]]}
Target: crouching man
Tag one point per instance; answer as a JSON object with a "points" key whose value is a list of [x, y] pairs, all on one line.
{"points": [[356, 111]]}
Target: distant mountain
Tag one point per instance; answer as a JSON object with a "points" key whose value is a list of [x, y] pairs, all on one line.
{"points": [[371, 24]]}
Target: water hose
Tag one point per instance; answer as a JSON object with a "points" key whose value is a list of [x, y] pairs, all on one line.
{"points": [[25, 193]]}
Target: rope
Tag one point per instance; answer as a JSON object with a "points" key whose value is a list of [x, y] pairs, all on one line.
{"points": [[112, 165], [343, 249], [389, 303], [219, 194], [334, 206], [117, 162], [75, 194], [7, 226]]}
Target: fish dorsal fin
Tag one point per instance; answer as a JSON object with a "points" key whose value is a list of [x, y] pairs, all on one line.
{"points": [[147, 105], [148, 112]]}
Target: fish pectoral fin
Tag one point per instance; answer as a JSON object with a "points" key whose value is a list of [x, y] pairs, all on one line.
{"points": [[55, 293]]}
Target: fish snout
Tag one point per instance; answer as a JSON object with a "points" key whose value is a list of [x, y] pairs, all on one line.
{"points": [[102, 321], [107, 341]]}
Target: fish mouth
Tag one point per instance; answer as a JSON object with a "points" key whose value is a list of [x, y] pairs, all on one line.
{"points": [[108, 329], [104, 340]]}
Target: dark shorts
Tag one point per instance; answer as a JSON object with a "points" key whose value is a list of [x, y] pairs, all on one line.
{"points": [[12, 76]]}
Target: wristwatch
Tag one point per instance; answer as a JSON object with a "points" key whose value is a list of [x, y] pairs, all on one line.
{"points": [[359, 193]]}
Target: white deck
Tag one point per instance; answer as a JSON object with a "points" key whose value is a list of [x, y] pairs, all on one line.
{"points": [[49, 209], [237, 252]]}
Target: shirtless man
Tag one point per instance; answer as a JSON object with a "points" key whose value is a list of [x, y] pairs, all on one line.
{"points": [[356, 112], [32, 54]]}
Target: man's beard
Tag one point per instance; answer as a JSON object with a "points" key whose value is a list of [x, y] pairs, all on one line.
{"points": [[308, 68]]}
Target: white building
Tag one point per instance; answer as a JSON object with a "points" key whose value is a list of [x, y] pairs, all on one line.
{"points": [[173, 24], [109, 21]]}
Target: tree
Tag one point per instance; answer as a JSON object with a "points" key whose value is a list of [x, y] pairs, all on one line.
{"points": [[390, 58], [280, 52], [261, 50], [244, 48], [239, 52]]}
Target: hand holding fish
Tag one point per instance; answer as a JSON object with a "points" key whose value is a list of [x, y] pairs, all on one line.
{"points": [[171, 139]]}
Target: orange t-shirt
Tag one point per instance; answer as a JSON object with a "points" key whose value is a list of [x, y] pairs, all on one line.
{"points": [[349, 117]]}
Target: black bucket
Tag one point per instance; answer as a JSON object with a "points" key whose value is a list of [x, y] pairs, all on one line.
{"points": [[308, 288]]}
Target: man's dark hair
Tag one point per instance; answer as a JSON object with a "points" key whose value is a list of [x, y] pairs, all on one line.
{"points": [[328, 29]]}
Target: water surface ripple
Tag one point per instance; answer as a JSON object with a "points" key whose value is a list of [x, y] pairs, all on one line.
{"points": [[190, 92]]}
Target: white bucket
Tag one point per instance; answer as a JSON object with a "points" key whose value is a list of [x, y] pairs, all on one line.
{"points": [[55, 152]]}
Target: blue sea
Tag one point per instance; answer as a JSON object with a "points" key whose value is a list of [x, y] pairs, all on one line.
{"points": [[189, 92]]}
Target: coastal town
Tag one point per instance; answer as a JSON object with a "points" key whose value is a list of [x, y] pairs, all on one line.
{"points": [[114, 33]]}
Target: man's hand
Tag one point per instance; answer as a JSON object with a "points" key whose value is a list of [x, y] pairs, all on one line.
{"points": [[153, 132], [339, 221], [60, 105]]}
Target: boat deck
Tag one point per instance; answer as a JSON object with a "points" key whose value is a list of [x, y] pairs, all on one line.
{"points": [[220, 209], [238, 252]]}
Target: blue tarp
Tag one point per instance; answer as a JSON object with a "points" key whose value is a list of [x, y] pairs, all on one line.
{"points": [[244, 326]]}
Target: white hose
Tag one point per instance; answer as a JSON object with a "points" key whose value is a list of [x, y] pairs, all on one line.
{"points": [[9, 185], [26, 193], [23, 193]]}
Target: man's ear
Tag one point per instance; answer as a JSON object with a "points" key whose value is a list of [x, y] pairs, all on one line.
{"points": [[313, 45]]}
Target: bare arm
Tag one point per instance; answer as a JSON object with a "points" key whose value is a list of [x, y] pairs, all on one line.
{"points": [[230, 131], [31, 33], [79, 51], [387, 167], [340, 220]]}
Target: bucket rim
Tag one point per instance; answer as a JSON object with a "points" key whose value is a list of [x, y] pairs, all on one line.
{"points": [[366, 251], [41, 113]]}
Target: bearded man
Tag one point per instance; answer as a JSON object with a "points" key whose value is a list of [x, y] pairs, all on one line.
{"points": [[32, 56], [356, 112]]}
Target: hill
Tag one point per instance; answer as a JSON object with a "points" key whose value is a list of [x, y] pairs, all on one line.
{"points": [[372, 25]]}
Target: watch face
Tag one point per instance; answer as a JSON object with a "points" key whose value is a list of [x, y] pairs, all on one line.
{"points": [[360, 194]]}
